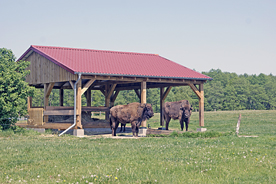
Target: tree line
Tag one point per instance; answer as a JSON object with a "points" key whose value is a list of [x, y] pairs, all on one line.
{"points": [[227, 91]]}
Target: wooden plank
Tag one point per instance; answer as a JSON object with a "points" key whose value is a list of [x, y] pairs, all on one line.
{"points": [[29, 103], [43, 70], [111, 90], [114, 96], [58, 112], [35, 116], [61, 97], [138, 79], [87, 85], [84, 108], [49, 89], [144, 99], [138, 93], [165, 94], [61, 126], [50, 108], [201, 106], [88, 97], [78, 105], [46, 101], [107, 100], [95, 108], [196, 91], [71, 83], [162, 104]]}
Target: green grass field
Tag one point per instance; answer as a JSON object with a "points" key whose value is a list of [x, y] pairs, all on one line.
{"points": [[29, 157]]}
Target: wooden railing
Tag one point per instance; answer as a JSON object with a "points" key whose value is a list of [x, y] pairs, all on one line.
{"points": [[65, 110]]}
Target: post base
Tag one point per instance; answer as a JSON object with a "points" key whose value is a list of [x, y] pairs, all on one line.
{"points": [[201, 129], [142, 132], [78, 132]]}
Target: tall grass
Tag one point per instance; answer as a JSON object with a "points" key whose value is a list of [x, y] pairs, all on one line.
{"points": [[46, 158]]}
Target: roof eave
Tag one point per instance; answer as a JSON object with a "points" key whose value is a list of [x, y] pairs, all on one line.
{"points": [[125, 75]]}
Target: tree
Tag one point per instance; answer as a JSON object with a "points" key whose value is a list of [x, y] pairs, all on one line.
{"points": [[13, 88]]}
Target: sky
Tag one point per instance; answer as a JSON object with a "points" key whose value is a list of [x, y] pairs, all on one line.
{"points": [[233, 36]]}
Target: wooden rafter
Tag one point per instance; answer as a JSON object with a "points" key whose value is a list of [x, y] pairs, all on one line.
{"points": [[71, 83], [194, 88], [114, 96], [49, 89], [138, 93], [87, 85], [164, 96], [111, 90], [140, 79]]}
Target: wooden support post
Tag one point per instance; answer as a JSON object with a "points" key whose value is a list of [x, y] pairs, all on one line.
{"points": [[88, 97], [113, 98], [200, 94], [144, 98], [162, 103], [87, 85], [78, 107], [109, 91], [163, 96], [138, 94], [107, 101], [47, 91], [201, 106], [29, 103], [61, 96]]}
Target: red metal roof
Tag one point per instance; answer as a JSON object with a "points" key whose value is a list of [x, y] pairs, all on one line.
{"points": [[100, 62]]}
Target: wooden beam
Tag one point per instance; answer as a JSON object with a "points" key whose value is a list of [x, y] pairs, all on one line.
{"points": [[201, 106], [71, 83], [192, 86], [110, 91], [138, 93], [150, 86], [65, 125], [107, 101], [59, 112], [114, 96], [84, 108], [61, 97], [140, 79], [162, 103], [78, 105], [103, 91], [88, 97], [144, 98], [165, 94], [29, 103], [49, 89], [87, 85]]}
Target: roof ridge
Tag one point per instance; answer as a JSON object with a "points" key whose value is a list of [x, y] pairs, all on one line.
{"points": [[94, 50]]}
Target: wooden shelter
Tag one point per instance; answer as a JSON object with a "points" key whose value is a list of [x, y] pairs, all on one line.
{"points": [[107, 71]]}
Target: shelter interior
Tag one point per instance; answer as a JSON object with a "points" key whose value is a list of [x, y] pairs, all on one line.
{"points": [[110, 86], [47, 73]]}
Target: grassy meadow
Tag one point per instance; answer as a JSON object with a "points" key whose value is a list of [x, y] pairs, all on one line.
{"points": [[30, 157]]}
